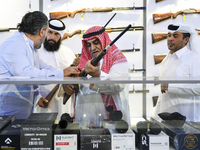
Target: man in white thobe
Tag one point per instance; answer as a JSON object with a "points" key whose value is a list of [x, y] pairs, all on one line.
{"points": [[182, 60], [58, 56]]}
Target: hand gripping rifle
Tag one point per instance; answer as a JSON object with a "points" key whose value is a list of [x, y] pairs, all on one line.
{"points": [[64, 14], [161, 17], [96, 59]]}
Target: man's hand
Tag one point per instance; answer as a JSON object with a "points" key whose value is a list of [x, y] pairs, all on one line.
{"points": [[41, 100], [164, 88], [68, 88], [76, 61], [92, 70], [71, 71]]}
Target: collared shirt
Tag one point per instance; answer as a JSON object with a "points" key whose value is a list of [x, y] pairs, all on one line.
{"points": [[17, 59], [182, 98]]}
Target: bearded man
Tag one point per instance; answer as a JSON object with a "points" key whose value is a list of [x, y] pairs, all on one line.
{"points": [[59, 56]]}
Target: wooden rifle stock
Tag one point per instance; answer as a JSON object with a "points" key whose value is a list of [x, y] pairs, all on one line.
{"points": [[159, 36], [161, 17], [159, 58], [50, 95], [159, 1]]}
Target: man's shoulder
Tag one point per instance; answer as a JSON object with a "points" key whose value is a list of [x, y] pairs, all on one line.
{"points": [[13, 41], [63, 47]]}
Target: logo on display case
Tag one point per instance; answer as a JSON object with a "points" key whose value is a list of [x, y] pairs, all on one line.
{"points": [[191, 141], [144, 140], [8, 141], [95, 143]]}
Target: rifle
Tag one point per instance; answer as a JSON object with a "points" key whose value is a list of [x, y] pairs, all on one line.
{"points": [[54, 90], [158, 58], [64, 14], [161, 17], [96, 59], [7, 29], [108, 30]]}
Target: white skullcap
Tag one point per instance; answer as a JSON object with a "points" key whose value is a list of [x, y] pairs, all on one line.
{"points": [[184, 28], [57, 25]]}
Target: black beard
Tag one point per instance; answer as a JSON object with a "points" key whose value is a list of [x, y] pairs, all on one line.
{"points": [[52, 47]]}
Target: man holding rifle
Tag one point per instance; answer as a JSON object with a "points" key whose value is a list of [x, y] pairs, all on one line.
{"points": [[19, 57], [59, 56], [183, 60], [91, 100]]}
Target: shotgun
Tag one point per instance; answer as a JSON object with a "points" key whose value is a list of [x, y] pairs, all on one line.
{"points": [[96, 60], [161, 17], [158, 58], [108, 30], [7, 29], [64, 14]]}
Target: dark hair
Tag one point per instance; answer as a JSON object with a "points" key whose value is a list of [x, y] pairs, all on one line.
{"points": [[32, 22], [186, 35]]}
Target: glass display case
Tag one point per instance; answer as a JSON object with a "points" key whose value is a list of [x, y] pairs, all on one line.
{"points": [[101, 128]]}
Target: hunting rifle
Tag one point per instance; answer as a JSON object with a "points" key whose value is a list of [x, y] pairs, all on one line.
{"points": [[54, 90], [96, 60], [64, 14], [159, 36], [108, 30], [161, 17], [159, 58], [7, 29]]}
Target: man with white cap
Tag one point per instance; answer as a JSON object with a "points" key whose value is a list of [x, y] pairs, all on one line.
{"points": [[59, 56], [182, 60]]}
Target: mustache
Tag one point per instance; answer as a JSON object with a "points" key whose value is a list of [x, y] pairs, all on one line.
{"points": [[94, 51], [52, 40]]}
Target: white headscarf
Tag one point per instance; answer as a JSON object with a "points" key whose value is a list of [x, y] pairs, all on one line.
{"points": [[184, 28], [57, 25]]}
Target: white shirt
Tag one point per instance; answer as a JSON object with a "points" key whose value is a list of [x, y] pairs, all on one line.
{"points": [[182, 98], [60, 59]]}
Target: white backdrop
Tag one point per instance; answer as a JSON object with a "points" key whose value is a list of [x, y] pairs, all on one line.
{"points": [[13, 11]]}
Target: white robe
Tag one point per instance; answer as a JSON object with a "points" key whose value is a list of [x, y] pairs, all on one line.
{"points": [[60, 59], [182, 98], [89, 106]]}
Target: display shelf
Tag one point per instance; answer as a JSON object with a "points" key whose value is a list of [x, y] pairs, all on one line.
{"points": [[98, 80]]}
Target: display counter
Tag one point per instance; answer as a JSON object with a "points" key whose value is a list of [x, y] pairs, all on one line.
{"points": [[102, 129]]}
